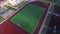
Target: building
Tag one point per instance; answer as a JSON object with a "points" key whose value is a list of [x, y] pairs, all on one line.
{"points": [[15, 2], [0, 0]]}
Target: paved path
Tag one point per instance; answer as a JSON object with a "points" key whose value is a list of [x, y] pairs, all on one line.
{"points": [[6, 14]]}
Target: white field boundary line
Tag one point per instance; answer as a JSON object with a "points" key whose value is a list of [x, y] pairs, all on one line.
{"points": [[13, 13], [40, 31]]}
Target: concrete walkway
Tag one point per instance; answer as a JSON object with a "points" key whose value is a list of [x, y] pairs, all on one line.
{"points": [[7, 13]]}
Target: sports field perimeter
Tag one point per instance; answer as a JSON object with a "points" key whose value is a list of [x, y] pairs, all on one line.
{"points": [[29, 17]]}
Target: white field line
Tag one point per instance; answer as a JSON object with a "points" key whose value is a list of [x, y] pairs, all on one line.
{"points": [[40, 31], [13, 14]]}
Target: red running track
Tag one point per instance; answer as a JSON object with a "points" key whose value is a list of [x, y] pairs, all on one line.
{"points": [[9, 28]]}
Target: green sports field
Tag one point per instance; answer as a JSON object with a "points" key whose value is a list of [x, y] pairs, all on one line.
{"points": [[29, 17]]}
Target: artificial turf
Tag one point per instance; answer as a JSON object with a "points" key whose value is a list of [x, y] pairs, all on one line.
{"points": [[28, 18]]}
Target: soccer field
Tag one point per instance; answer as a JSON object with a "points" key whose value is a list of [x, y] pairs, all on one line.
{"points": [[29, 17]]}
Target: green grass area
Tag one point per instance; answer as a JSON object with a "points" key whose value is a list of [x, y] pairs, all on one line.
{"points": [[46, 3], [57, 5], [9, 7], [29, 17], [21, 4], [44, 31], [47, 20], [52, 0], [46, 23], [1, 19]]}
